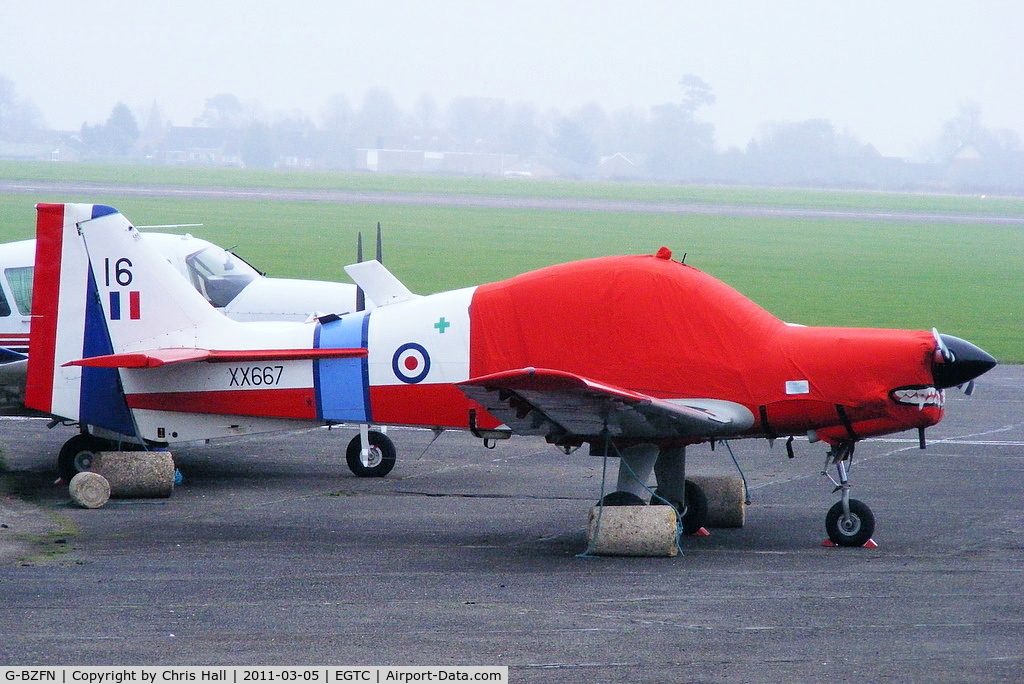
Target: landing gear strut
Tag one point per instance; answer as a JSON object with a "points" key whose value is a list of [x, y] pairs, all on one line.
{"points": [[669, 467], [849, 522]]}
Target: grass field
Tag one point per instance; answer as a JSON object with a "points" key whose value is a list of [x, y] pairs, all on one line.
{"points": [[965, 279]]}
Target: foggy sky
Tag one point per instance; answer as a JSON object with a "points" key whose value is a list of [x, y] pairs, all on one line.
{"points": [[888, 72]]}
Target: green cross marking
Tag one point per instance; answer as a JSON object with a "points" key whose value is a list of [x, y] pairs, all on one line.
{"points": [[442, 325]]}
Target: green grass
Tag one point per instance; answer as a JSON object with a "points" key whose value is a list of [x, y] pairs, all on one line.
{"points": [[964, 279]]}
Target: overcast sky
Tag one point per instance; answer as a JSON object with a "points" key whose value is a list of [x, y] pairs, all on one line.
{"points": [[889, 72]]}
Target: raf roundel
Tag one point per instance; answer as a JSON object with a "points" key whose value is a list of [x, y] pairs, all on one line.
{"points": [[411, 363]]}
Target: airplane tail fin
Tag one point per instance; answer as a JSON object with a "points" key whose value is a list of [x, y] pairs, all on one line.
{"points": [[99, 289]]}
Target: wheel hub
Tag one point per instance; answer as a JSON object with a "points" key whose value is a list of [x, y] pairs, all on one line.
{"points": [[83, 461], [849, 524], [373, 457]]}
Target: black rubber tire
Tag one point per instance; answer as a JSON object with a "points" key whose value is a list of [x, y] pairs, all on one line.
{"points": [[622, 499], [77, 454], [854, 532], [382, 455], [696, 515]]}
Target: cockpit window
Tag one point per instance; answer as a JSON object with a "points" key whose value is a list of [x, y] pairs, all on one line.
{"points": [[20, 281], [219, 275]]}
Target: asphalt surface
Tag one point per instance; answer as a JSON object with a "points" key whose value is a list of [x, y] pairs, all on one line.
{"points": [[91, 190], [271, 553]]}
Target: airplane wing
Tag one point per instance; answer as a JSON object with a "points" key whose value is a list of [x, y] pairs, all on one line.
{"points": [[153, 358], [559, 405]]}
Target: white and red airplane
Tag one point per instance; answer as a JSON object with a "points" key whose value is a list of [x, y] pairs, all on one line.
{"points": [[637, 356], [227, 281]]}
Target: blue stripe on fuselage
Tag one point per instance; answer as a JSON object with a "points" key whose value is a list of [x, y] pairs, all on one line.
{"points": [[101, 401], [342, 385]]}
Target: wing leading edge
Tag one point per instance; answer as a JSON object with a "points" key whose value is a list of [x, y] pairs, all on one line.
{"points": [[564, 407]]}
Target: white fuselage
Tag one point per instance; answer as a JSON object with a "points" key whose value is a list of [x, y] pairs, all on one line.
{"points": [[225, 280]]}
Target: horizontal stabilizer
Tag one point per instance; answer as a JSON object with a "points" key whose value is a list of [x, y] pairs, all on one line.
{"points": [[154, 358], [561, 406], [378, 283]]}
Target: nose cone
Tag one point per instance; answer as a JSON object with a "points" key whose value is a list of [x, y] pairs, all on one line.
{"points": [[958, 361]]}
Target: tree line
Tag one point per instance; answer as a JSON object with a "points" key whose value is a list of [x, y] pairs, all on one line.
{"points": [[668, 142]]}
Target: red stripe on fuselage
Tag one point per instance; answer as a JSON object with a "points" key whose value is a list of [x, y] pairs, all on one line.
{"points": [[15, 342], [427, 405], [46, 291], [275, 403], [134, 307]]}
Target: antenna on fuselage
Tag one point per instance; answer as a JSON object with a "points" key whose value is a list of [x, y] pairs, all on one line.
{"points": [[380, 245], [360, 295]]}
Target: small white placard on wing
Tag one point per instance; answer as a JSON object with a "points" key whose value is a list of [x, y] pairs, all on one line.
{"points": [[797, 387]]}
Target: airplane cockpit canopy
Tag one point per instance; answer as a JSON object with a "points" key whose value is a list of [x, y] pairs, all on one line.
{"points": [[218, 274]]}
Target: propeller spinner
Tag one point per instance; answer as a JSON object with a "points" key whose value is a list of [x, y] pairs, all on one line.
{"points": [[958, 361]]}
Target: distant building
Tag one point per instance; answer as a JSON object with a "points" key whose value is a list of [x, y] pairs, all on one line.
{"points": [[529, 168], [618, 167], [390, 161], [422, 161], [196, 146], [42, 146]]}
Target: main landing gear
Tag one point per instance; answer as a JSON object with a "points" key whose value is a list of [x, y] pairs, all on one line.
{"points": [[375, 459], [669, 466], [78, 453], [849, 522]]}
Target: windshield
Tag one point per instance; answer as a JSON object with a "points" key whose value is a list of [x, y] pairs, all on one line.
{"points": [[219, 275], [20, 280]]}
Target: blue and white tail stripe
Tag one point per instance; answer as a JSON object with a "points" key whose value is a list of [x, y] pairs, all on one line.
{"points": [[68, 322]]}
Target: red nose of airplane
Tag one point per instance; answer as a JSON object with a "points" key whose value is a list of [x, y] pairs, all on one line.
{"points": [[958, 361]]}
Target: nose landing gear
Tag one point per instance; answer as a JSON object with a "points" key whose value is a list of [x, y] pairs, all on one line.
{"points": [[849, 522]]}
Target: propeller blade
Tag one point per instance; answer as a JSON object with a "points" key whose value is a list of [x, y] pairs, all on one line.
{"points": [[941, 346]]}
